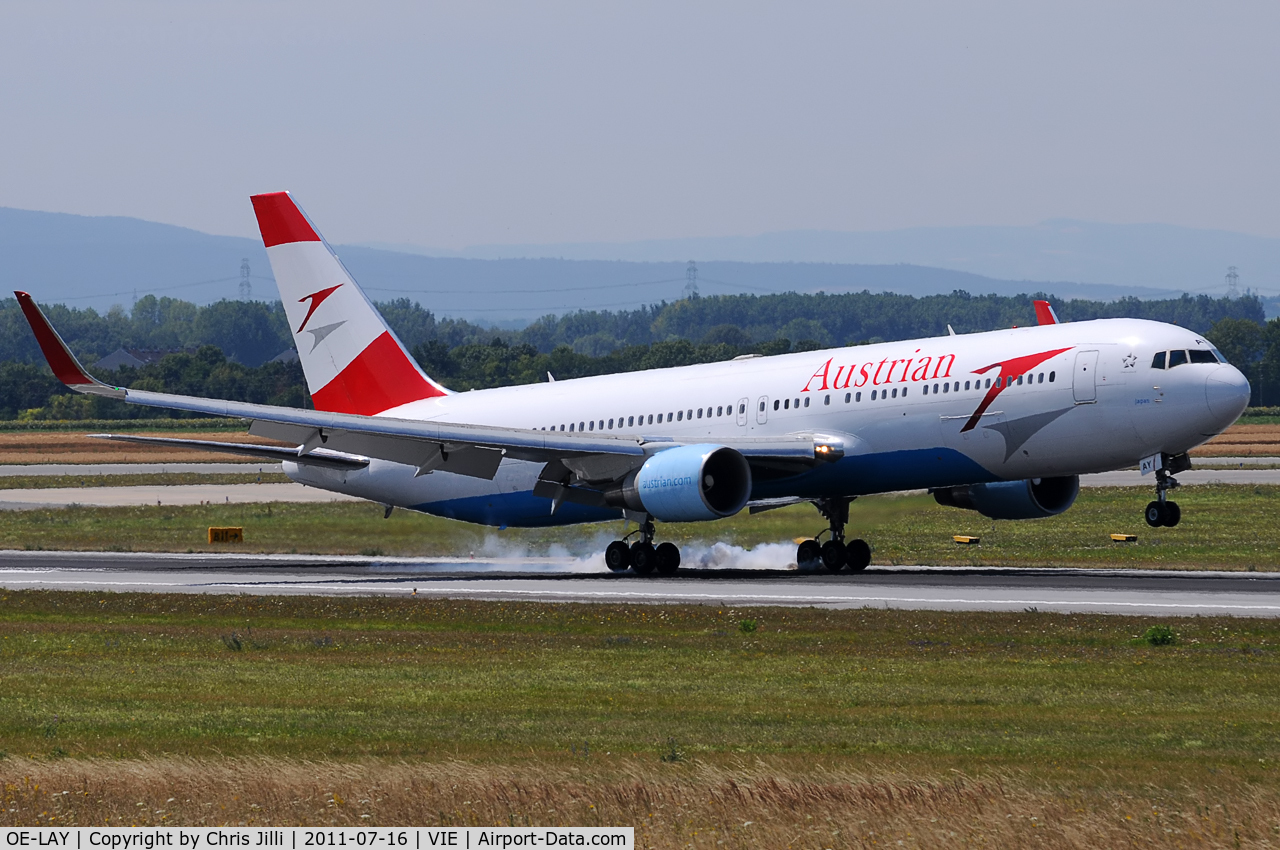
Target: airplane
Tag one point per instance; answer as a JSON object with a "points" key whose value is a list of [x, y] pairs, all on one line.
{"points": [[1003, 422]]}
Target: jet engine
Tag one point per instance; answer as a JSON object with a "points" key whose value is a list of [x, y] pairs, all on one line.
{"points": [[687, 484], [1029, 499]]}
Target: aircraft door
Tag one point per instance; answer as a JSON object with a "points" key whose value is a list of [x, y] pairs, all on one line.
{"points": [[762, 410], [743, 405], [1084, 381]]}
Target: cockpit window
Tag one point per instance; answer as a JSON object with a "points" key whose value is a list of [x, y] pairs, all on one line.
{"points": [[1157, 362], [1177, 358], [1200, 356], [1218, 354]]}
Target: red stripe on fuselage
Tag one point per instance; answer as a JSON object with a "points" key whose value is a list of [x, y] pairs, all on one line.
{"points": [[280, 220], [380, 378]]}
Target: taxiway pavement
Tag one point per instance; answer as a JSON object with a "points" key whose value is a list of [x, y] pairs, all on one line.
{"points": [[196, 494], [174, 494]]}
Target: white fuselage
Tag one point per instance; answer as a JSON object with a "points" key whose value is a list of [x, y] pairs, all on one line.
{"points": [[1081, 397]]}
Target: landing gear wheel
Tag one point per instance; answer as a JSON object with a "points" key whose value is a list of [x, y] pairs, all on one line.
{"points": [[1162, 511], [643, 558], [617, 556], [833, 556], [668, 557], [858, 554], [808, 555]]}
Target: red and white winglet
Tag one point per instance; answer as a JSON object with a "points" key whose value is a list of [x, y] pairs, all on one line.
{"points": [[353, 361], [64, 364], [1045, 314]]}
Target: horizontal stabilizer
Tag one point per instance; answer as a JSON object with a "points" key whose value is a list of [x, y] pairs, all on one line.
{"points": [[318, 457]]}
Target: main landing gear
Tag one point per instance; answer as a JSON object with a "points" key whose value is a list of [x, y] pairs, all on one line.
{"points": [[835, 554], [642, 556], [1163, 512]]}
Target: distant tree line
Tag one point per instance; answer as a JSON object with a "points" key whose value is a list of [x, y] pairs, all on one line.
{"points": [[29, 390], [225, 346]]}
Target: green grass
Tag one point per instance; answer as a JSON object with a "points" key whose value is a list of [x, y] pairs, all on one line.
{"points": [[106, 675], [1223, 527]]}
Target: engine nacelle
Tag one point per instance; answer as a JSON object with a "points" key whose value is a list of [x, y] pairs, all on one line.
{"points": [[687, 484], [1029, 499]]}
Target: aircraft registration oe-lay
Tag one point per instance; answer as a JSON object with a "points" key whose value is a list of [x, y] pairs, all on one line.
{"points": [[1002, 422]]}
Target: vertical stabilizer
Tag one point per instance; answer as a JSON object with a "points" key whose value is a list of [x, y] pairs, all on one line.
{"points": [[352, 360]]}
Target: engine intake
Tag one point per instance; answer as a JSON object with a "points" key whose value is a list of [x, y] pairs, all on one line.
{"points": [[687, 484], [1029, 499]]}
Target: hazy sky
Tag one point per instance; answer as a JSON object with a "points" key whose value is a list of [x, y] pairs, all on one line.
{"points": [[457, 124]]}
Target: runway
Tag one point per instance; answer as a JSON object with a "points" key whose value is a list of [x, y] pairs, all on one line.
{"points": [[1161, 593]]}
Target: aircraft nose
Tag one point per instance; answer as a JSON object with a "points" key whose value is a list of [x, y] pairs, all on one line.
{"points": [[1226, 391]]}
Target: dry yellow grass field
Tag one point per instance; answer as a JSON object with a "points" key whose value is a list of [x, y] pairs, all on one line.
{"points": [[1243, 440], [772, 804], [75, 447]]}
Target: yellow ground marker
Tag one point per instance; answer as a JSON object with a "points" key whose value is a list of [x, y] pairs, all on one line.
{"points": [[966, 540], [1125, 538], [226, 535]]}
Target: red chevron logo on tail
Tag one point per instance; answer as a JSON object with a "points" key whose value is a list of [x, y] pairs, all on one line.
{"points": [[317, 298], [1009, 369]]}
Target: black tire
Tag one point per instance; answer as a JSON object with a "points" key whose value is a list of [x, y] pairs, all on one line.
{"points": [[643, 558], [668, 555], [1154, 514], [808, 555], [1172, 514], [617, 556], [833, 556], [858, 554]]}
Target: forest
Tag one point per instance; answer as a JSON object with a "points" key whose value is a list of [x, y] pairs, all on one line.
{"points": [[223, 349]]}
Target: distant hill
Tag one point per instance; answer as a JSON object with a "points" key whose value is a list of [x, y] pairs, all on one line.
{"points": [[1150, 256], [96, 262]]}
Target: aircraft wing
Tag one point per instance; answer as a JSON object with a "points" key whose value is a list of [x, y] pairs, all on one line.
{"points": [[476, 450]]}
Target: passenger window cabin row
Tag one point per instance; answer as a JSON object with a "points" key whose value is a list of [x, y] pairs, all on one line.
{"points": [[648, 418], [945, 387], [788, 404]]}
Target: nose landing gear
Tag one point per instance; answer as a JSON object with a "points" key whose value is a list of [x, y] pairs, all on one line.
{"points": [[642, 556], [1163, 512], [835, 554]]}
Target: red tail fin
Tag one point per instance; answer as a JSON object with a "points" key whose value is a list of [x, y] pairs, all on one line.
{"points": [[351, 357]]}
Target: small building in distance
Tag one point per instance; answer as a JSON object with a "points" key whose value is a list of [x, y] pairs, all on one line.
{"points": [[135, 357], [289, 355]]}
